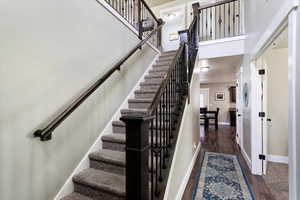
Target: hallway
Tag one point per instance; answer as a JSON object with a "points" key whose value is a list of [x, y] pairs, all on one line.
{"points": [[221, 141]]}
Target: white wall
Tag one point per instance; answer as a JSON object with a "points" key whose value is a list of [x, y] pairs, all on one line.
{"points": [[50, 52], [188, 140], [222, 48], [259, 16]]}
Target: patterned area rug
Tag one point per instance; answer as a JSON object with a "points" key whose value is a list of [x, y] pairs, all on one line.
{"points": [[221, 178]]}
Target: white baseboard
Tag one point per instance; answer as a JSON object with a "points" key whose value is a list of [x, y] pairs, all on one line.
{"points": [[278, 159], [188, 174], [68, 187], [246, 157]]}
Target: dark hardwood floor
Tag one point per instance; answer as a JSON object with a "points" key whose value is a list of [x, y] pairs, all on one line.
{"points": [[222, 141]]}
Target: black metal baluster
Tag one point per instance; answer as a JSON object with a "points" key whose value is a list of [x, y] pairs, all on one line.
{"points": [[224, 21], [239, 18], [170, 111], [234, 13], [206, 24], [229, 21], [210, 13], [152, 160], [215, 22]]}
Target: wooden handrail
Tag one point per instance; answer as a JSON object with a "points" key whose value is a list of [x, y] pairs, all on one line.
{"points": [[46, 133], [216, 4], [150, 11], [152, 108]]}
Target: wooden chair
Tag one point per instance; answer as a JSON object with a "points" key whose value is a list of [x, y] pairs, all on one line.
{"points": [[208, 115]]}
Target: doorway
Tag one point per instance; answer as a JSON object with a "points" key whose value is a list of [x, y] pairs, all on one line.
{"points": [[204, 98], [270, 105]]}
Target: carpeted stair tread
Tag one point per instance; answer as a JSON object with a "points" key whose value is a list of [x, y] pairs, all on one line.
{"points": [[118, 123], [140, 101], [157, 76], [134, 111], [149, 84], [102, 181], [109, 156], [76, 196], [115, 138], [117, 158], [150, 91]]}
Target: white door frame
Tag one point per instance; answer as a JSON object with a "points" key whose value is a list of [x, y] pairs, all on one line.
{"points": [[291, 12], [239, 111], [256, 142], [294, 107]]}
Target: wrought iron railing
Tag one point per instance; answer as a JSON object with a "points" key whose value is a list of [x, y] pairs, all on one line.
{"points": [[220, 20], [138, 15], [153, 133]]}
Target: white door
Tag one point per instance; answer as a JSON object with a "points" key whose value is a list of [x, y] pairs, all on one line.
{"points": [[239, 111], [204, 98]]}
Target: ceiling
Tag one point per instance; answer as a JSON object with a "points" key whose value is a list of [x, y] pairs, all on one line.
{"points": [[221, 70]]}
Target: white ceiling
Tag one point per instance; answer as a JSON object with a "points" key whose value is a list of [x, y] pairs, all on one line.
{"points": [[222, 69]]}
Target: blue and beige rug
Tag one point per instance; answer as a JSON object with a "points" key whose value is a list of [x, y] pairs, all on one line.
{"points": [[221, 178]]}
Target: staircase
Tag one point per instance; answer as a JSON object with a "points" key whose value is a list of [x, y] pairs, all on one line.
{"points": [[105, 179]]}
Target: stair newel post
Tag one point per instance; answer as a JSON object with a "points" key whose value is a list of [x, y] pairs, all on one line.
{"points": [[196, 14], [137, 156], [140, 20], [159, 35], [184, 68]]}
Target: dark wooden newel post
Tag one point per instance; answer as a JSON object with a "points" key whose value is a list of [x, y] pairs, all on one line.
{"points": [[137, 157], [196, 13]]}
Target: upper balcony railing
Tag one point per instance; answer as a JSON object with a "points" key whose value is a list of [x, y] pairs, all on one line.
{"points": [[220, 20], [138, 14]]}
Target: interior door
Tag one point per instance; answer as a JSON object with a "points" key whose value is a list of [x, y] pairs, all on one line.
{"points": [[204, 98], [239, 111]]}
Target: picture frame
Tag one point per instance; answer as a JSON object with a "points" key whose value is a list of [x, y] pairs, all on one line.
{"points": [[220, 96], [173, 36]]}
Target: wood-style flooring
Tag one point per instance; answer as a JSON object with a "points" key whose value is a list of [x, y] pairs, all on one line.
{"points": [[222, 141]]}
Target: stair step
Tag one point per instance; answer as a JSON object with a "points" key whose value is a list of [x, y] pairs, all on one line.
{"points": [[115, 142], [100, 185], [118, 127], [144, 94], [155, 72], [169, 53], [76, 196], [166, 58], [134, 111], [139, 103], [112, 161], [149, 86], [166, 66], [108, 160]]}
